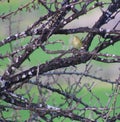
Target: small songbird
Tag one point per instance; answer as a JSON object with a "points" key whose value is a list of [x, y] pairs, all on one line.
{"points": [[76, 42]]}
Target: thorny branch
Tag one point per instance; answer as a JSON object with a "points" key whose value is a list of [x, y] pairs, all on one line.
{"points": [[53, 22]]}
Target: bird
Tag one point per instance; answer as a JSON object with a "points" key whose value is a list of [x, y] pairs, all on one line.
{"points": [[76, 42]]}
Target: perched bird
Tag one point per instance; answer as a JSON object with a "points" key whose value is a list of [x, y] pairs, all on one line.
{"points": [[76, 42]]}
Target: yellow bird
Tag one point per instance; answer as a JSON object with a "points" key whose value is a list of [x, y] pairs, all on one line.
{"points": [[76, 42]]}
